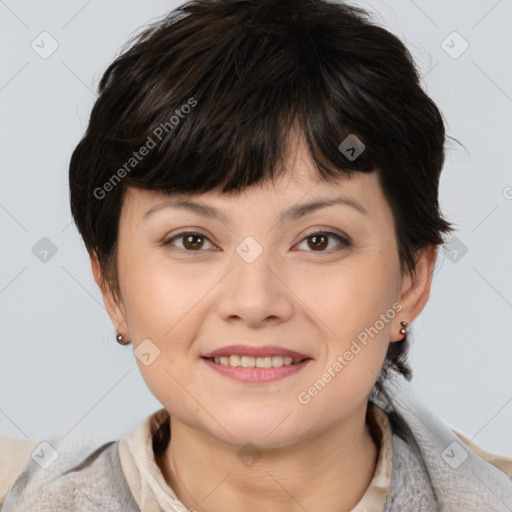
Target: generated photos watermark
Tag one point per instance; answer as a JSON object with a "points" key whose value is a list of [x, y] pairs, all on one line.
{"points": [[158, 133], [342, 360]]}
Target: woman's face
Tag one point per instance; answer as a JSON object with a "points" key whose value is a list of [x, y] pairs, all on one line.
{"points": [[261, 273]]}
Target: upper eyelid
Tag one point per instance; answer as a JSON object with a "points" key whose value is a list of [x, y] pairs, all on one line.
{"points": [[330, 232], [181, 234], [312, 232]]}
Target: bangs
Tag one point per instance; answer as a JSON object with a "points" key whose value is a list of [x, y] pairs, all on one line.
{"points": [[221, 116]]}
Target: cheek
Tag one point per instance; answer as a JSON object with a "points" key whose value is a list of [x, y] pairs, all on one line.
{"points": [[355, 306], [164, 305], [160, 297], [350, 297]]}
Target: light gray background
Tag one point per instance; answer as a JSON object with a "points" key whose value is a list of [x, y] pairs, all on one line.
{"points": [[62, 372]]}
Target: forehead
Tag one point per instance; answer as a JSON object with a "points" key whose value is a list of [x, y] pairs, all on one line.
{"points": [[286, 200]]}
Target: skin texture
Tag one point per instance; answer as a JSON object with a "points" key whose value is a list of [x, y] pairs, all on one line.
{"points": [[302, 294]]}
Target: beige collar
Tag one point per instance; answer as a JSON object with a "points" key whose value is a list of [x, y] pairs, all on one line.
{"points": [[152, 493]]}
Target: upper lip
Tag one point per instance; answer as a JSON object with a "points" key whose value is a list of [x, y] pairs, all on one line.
{"points": [[245, 350]]}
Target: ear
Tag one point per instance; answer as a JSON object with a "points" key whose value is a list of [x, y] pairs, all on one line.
{"points": [[114, 310], [415, 289]]}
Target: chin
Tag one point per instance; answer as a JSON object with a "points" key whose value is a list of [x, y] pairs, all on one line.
{"points": [[275, 430]]}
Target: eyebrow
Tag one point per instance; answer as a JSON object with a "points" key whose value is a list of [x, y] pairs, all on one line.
{"points": [[292, 213]]}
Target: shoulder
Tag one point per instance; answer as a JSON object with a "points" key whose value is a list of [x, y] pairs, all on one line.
{"points": [[77, 476], [504, 464], [15, 453], [425, 470]]}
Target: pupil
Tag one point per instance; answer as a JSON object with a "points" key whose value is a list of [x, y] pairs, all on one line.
{"points": [[318, 241], [315, 239], [189, 244]]}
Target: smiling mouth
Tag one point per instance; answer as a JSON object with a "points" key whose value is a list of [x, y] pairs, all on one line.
{"points": [[255, 362]]}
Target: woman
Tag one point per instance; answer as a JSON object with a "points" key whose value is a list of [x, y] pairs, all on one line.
{"points": [[258, 192]]}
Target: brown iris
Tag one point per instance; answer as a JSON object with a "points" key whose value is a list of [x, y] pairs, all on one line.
{"points": [[188, 242], [320, 239]]}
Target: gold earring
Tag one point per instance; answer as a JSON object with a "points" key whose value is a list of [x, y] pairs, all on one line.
{"points": [[404, 329]]}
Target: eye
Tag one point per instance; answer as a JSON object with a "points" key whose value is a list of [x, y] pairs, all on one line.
{"points": [[320, 240], [192, 241]]}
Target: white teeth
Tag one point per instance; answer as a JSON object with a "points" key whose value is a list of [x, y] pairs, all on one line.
{"points": [[233, 361], [248, 362], [277, 361], [256, 362]]}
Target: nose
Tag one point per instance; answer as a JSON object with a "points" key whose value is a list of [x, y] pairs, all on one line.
{"points": [[255, 292]]}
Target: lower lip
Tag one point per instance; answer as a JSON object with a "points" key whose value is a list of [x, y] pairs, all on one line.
{"points": [[257, 374]]}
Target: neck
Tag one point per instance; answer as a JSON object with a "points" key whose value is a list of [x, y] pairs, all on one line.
{"points": [[329, 471]]}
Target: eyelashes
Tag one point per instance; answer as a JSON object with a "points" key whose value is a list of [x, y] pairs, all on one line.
{"points": [[184, 234], [344, 243]]}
